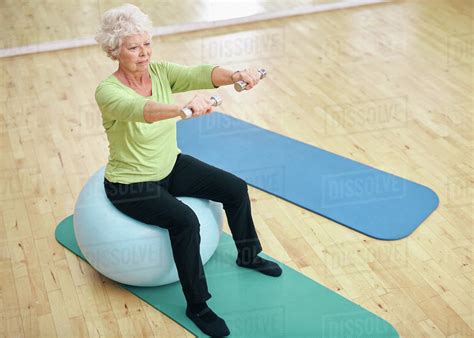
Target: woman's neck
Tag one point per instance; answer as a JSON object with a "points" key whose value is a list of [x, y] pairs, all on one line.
{"points": [[133, 78]]}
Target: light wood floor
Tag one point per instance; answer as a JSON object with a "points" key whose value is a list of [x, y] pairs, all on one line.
{"points": [[36, 21], [388, 85]]}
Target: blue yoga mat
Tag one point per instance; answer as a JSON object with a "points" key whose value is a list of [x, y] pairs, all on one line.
{"points": [[257, 306], [365, 199]]}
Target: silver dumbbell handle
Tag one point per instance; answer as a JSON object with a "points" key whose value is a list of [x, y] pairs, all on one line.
{"points": [[241, 85], [216, 100]]}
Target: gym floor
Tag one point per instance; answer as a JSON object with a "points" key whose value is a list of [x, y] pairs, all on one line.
{"points": [[388, 85]]}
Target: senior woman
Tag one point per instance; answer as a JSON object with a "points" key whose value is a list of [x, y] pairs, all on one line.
{"points": [[146, 170]]}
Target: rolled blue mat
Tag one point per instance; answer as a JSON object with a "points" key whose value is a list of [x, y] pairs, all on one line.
{"points": [[363, 198]]}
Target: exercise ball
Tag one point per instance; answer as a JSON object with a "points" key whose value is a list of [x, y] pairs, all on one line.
{"points": [[131, 252]]}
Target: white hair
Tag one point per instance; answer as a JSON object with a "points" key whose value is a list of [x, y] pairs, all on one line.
{"points": [[118, 23]]}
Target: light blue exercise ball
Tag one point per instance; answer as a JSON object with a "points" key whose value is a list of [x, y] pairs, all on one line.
{"points": [[131, 252]]}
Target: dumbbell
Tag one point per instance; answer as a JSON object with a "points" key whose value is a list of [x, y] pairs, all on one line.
{"points": [[241, 85], [216, 100]]}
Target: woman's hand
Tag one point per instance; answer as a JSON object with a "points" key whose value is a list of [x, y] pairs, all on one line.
{"points": [[200, 105], [250, 76]]}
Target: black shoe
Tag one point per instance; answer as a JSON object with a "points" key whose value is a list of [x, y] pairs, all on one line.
{"points": [[262, 265], [216, 328]]}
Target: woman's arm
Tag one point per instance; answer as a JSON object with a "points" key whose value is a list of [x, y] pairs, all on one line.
{"points": [[184, 78], [155, 111], [222, 77]]}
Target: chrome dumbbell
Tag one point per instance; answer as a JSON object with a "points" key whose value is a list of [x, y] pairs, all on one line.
{"points": [[215, 101], [241, 85]]}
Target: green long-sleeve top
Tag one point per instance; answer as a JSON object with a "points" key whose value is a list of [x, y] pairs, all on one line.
{"points": [[140, 151]]}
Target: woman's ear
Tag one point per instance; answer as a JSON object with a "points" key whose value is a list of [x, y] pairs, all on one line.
{"points": [[112, 56]]}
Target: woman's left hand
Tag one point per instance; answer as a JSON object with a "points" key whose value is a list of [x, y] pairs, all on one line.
{"points": [[250, 76]]}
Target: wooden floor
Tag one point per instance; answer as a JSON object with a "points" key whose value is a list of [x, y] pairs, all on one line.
{"points": [[36, 21], [388, 85]]}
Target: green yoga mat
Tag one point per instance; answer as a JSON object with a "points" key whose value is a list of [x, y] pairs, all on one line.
{"points": [[255, 305]]}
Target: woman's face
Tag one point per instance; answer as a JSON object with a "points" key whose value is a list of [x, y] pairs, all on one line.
{"points": [[135, 52]]}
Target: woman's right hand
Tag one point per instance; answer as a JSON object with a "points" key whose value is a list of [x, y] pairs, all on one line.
{"points": [[200, 105]]}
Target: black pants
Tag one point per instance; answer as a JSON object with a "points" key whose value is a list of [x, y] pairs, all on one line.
{"points": [[155, 203]]}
